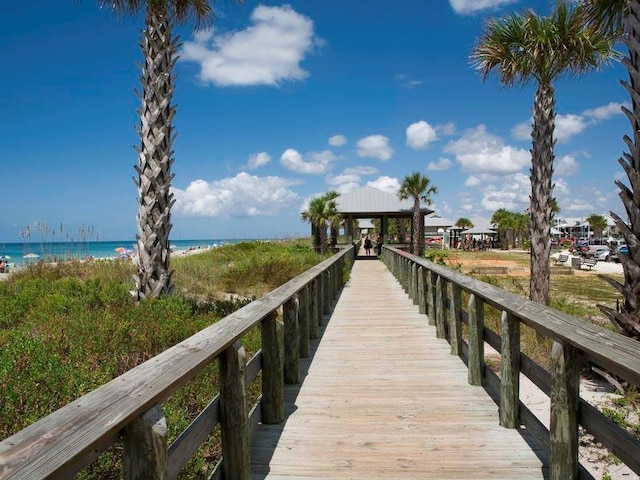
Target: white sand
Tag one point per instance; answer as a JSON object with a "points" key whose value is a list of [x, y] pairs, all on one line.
{"points": [[600, 267]]}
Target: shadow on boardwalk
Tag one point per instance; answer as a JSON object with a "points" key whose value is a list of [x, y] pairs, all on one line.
{"points": [[382, 398]]}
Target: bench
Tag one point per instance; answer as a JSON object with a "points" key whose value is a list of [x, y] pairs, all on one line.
{"points": [[562, 258], [589, 262]]}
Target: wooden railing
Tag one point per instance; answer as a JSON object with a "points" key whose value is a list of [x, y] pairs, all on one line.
{"points": [[438, 292], [129, 407]]}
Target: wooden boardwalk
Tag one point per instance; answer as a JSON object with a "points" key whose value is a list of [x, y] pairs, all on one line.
{"points": [[382, 398]]}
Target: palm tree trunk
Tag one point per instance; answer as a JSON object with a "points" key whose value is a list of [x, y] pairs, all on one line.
{"points": [[155, 156], [541, 193], [627, 321]]}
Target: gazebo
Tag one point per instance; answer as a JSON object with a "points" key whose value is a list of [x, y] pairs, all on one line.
{"points": [[372, 203]]}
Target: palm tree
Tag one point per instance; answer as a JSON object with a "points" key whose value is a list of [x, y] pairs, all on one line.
{"points": [[527, 47], [464, 223], [156, 132], [334, 218], [617, 17], [597, 223], [316, 215], [500, 219], [322, 212], [417, 187]]}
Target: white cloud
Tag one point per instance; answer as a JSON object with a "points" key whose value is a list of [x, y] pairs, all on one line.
{"points": [[579, 205], [386, 184], [442, 164], [420, 135], [407, 82], [337, 140], [566, 165], [467, 7], [375, 146], [257, 160], [480, 152], [361, 170], [241, 196], [567, 126], [341, 179], [268, 52], [446, 129], [522, 131], [605, 112], [512, 194], [472, 181], [312, 163]]}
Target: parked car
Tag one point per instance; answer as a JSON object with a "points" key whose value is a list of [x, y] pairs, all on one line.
{"points": [[624, 249], [602, 254]]}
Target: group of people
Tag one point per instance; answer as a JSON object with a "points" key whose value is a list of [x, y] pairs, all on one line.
{"points": [[368, 244]]}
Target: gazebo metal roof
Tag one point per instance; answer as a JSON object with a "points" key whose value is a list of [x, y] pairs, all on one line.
{"points": [[369, 202]]}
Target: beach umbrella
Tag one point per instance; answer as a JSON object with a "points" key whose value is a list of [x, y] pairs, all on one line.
{"points": [[121, 250], [31, 255], [5, 257]]}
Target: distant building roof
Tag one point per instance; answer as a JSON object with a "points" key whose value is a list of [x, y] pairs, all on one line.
{"points": [[434, 221], [370, 202]]}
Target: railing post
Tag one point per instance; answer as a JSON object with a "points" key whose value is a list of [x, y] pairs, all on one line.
{"points": [[272, 404], [313, 309], [422, 295], [476, 340], [145, 447], [234, 422], [565, 398], [320, 299], [291, 341], [303, 323], [326, 303], [455, 318], [431, 297], [414, 282], [441, 286], [510, 379]]}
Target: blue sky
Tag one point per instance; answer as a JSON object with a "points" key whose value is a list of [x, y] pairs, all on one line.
{"points": [[281, 101]]}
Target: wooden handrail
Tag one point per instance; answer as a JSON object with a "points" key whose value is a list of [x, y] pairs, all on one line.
{"points": [[62, 443], [575, 341]]}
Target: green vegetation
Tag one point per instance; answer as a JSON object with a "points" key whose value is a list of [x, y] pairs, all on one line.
{"points": [[67, 329]]}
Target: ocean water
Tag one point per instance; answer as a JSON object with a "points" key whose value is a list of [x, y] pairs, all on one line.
{"points": [[28, 252]]}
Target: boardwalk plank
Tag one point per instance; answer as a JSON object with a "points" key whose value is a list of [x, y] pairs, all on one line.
{"points": [[383, 398]]}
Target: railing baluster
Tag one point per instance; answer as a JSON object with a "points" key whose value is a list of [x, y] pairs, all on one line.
{"points": [[272, 404], [476, 340], [431, 297], [441, 286], [313, 309], [414, 283], [455, 318], [422, 295], [320, 299], [326, 290], [291, 342], [510, 379], [565, 401], [234, 422], [303, 323], [145, 447]]}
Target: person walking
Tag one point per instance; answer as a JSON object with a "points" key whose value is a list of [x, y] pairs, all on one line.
{"points": [[367, 245]]}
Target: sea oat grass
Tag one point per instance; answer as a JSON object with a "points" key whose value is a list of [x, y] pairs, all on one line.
{"points": [[66, 329]]}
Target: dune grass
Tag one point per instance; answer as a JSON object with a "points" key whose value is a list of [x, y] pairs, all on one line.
{"points": [[67, 329]]}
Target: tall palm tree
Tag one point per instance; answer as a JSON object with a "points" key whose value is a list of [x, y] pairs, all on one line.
{"points": [[419, 188], [618, 17], [464, 222], [316, 215], [597, 223], [334, 218], [500, 219], [522, 48], [156, 112]]}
